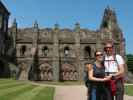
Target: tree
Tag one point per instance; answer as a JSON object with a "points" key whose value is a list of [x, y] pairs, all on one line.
{"points": [[130, 62]]}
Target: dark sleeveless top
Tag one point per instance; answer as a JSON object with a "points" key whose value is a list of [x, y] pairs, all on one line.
{"points": [[100, 87], [98, 73]]}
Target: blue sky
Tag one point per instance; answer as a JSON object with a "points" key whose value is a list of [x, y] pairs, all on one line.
{"points": [[67, 12]]}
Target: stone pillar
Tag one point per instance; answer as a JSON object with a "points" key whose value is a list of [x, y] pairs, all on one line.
{"points": [[14, 33], [77, 52], [35, 34], [33, 70], [98, 42], [56, 57]]}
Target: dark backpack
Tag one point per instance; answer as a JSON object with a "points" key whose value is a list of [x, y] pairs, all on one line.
{"points": [[86, 78]]}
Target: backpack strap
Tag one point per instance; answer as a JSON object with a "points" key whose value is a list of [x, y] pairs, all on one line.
{"points": [[94, 66], [86, 80]]}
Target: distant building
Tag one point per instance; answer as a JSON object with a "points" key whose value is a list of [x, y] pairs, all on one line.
{"points": [[4, 43], [53, 54]]}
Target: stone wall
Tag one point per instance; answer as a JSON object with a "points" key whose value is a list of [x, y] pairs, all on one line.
{"points": [[63, 53]]}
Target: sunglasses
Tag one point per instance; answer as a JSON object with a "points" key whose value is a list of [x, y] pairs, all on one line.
{"points": [[99, 55]]}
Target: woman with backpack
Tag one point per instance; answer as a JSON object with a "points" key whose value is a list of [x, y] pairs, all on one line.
{"points": [[97, 79]]}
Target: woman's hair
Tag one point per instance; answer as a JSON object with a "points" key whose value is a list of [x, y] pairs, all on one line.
{"points": [[97, 51]]}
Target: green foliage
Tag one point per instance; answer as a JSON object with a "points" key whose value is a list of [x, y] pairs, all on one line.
{"points": [[13, 69], [130, 62], [129, 90]]}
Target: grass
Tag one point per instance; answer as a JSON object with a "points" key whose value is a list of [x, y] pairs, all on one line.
{"points": [[129, 90], [20, 90]]}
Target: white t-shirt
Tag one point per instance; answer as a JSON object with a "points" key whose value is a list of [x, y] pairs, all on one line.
{"points": [[111, 63]]}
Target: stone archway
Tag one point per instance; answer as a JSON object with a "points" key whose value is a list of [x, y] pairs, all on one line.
{"points": [[68, 72], [23, 71], [46, 72]]}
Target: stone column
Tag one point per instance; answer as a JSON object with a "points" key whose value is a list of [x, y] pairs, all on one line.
{"points": [[33, 72], [14, 33], [77, 52], [56, 65], [99, 42]]}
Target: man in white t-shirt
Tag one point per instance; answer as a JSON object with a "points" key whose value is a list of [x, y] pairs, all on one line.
{"points": [[114, 65]]}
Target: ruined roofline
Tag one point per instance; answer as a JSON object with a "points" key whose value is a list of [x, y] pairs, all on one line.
{"points": [[1, 4], [60, 29]]}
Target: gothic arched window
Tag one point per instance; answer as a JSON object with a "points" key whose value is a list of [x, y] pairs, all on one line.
{"points": [[87, 51], [66, 51], [22, 50], [45, 51]]}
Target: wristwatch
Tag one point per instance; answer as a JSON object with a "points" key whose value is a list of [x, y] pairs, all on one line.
{"points": [[113, 77]]}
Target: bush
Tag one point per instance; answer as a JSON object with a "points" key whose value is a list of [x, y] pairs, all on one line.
{"points": [[13, 70], [130, 62]]}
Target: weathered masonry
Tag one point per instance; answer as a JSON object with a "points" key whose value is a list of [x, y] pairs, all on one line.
{"points": [[53, 54]]}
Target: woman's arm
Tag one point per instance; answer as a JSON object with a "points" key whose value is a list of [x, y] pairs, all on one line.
{"points": [[91, 77]]}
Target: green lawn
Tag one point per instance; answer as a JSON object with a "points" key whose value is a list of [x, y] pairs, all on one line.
{"points": [[129, 90], [20, 90]]}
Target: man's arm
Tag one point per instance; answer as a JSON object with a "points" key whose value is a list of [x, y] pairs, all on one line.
{"points": [[120, 72], [121, 63]]}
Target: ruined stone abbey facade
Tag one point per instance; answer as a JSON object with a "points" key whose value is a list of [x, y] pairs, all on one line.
{"points": [[53, 54]]}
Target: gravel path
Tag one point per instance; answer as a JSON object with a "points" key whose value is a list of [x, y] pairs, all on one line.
{"points": [[75, 93], [70, 93]]}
